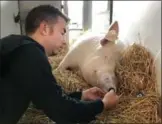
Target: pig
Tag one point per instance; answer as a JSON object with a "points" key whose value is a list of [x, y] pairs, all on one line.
{"points": [[95, 56]]}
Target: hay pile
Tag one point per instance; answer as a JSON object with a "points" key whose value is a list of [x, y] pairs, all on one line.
{"points": [[139, 102], [136, 75]]}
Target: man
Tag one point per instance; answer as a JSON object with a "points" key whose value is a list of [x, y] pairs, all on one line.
{"points": [[26, 74]]}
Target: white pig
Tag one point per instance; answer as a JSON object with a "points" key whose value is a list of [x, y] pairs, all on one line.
{"points": [[95, 56]]}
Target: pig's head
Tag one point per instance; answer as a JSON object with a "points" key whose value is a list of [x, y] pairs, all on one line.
{"points": [[101, 66]]}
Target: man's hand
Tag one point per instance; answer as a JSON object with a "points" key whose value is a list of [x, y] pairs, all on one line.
{"points": [[110, 99], [93, 94]]}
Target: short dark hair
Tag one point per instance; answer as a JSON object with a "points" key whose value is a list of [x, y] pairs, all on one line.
{"points": [[41, 13]]}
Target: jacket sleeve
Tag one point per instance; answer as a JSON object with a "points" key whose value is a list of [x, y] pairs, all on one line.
{"points": [[34, 75], [76, 95]]}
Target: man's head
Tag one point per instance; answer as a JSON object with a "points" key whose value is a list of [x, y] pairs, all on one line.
{"points": [[47, 25]]}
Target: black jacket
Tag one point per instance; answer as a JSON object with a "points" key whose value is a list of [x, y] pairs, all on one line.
{"points": [[26, 76]]}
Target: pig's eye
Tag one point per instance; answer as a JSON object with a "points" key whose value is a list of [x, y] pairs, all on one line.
{"points": [[107, 79]]}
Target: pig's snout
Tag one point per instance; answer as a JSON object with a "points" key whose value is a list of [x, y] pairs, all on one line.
{"points": [[108, 88], [111, 88], [108, 83]]}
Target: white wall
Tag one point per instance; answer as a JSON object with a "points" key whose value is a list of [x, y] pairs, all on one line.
{"points": [[9, 8], [8, 26], [144, 18]]}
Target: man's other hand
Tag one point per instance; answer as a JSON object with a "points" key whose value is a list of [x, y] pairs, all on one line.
{"points": [[110, 100], [93, 94]]}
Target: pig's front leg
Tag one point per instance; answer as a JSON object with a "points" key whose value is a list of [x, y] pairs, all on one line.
{"points": [[68, 62]]}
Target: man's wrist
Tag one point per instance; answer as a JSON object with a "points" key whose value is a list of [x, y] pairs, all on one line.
{"points": [[99, 105], [83, 95], [77, 95]]}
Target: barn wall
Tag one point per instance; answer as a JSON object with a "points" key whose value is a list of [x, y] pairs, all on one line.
{"points": [[11, 8], [8, 10]]}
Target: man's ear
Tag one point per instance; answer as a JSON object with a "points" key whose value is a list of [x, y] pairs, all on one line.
{"points": [[44, 29], [112, 34]]}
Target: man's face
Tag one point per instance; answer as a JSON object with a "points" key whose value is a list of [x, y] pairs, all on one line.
{"points": [[55, 35]]}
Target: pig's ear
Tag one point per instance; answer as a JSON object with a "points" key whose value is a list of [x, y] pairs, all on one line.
{"points": [[112, 34], [115, 27]]}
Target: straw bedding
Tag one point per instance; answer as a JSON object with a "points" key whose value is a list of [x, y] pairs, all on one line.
{"points": [[139, 103]]}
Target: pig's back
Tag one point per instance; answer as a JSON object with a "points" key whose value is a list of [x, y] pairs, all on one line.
{"points": [[85, 46]]}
